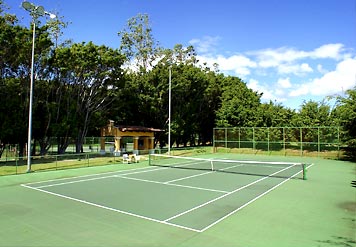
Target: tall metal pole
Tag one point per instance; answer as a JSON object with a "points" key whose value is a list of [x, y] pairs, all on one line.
{"points": [[169, 110], [30, 103], [35, 12]]}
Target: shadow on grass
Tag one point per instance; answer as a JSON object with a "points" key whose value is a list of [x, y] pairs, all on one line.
{"points": [[338, 241], [349, 154]]}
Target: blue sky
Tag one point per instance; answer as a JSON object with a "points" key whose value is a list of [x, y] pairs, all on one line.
{"points": [[290, 50]]}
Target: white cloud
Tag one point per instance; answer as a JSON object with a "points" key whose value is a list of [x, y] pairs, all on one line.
{"points": [[239, 64], [278, 68], [274, 57], [205, 45], [333, 82], [269, 93], [286, 60], [342, 78], [333, 51], [253, 84], [321, 69], [284, 83], [296, 69], [301, 90]]}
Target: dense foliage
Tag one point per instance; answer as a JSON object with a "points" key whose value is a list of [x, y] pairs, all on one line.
{"points": [[80, 86]]}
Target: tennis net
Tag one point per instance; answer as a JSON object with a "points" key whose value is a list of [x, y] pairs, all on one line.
{"points": [[248, 167]]}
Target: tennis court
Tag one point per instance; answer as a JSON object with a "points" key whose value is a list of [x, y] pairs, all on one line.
{"points": [[194, 198], [167, 203]]}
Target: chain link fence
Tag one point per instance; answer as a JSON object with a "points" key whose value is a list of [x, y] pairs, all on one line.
{"points": [[297, 141], [54, 146]]}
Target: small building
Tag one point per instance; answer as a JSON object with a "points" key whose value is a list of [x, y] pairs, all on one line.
{"points": [[140, 138]]}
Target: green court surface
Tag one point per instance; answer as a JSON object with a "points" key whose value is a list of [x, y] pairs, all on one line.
{"points": [[141, 205]]}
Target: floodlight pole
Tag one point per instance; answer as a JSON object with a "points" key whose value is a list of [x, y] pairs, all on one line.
{"points": [[35, 12], [31, 99], [169, 109]]}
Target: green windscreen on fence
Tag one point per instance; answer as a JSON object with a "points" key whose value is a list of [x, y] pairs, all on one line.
{"points": [[321, 141]]}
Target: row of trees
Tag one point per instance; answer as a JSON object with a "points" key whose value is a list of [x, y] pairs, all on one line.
{"points": [[79, 86]]}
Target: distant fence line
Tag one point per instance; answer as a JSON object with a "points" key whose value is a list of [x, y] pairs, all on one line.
{"points": [[90, 144], [18, 165], [292, 141], [302, 141]]}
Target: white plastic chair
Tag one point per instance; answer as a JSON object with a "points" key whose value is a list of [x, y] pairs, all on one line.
{"points": [[125, 158], [135, 158]]}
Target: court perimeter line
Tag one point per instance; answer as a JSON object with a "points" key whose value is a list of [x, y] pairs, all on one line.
{"points": [[173, 217], [95, 178], [90, 175], [176, 185], [251, 201], [73, 182], [111, 209], [220, 197]]}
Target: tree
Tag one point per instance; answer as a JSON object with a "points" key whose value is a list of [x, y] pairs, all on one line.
{"points": [[138, 44], [274, 114], [15, 65], [346, 111], [191, 97], [188, 87], [239, 104], [90, 76], [313, 113], [209, 105]]}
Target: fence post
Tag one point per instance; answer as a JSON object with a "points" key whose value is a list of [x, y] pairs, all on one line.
{"points": [[16, 163], [253, 139], [239, 139], [318, 141], [225, 137], [338, 142], [301, 140], [284, 142], [268, 139], [213, 140]]}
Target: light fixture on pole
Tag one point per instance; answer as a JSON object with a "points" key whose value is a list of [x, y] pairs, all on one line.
{"points": [[35, 12]]}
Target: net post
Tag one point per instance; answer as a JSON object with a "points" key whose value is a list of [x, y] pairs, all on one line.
{"points": [[212, 165], [304, 167], [149, 159]]}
